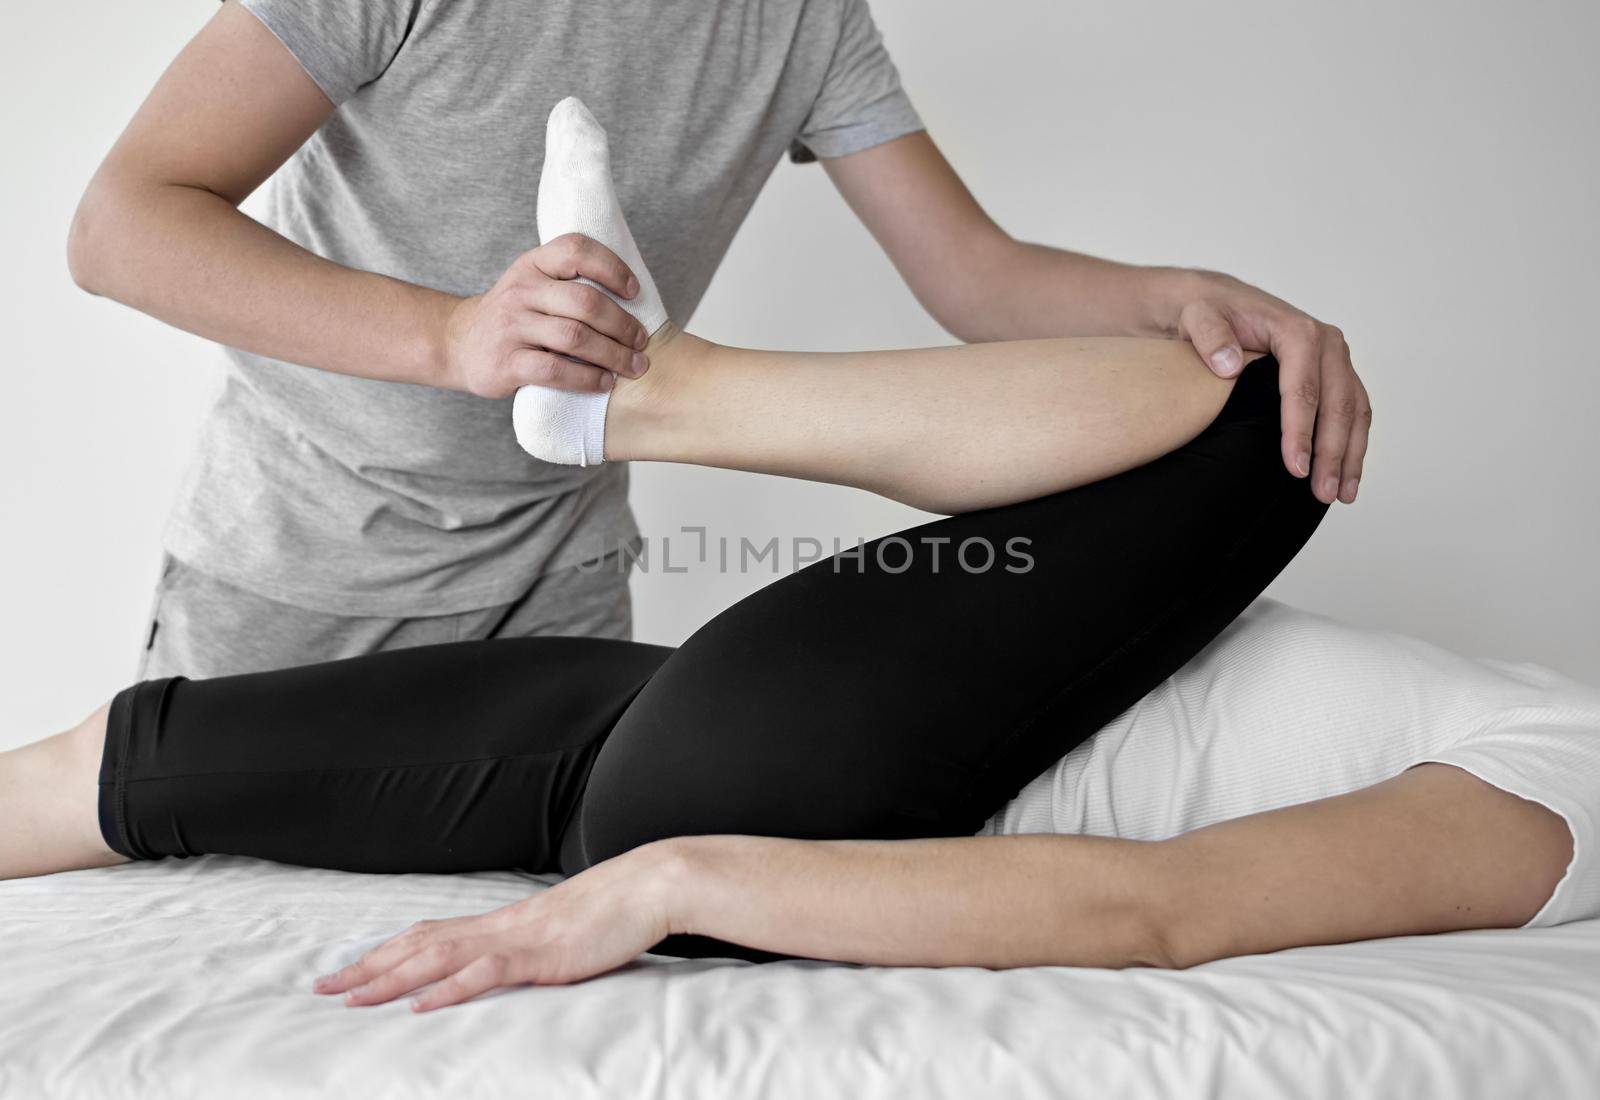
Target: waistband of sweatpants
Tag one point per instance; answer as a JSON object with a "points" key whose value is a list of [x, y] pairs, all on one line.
{"points": [[135, 715]]}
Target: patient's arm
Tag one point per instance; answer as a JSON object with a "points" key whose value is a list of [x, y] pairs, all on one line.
{"points": [[946, 429], [1432, 850]]}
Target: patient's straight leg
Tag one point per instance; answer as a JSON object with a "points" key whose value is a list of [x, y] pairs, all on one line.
{"points": [[466, 756], [47, 803]]}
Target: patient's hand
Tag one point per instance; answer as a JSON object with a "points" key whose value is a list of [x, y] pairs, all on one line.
{"points": [[587, 925]]}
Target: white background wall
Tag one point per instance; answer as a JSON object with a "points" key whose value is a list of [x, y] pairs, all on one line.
{"points": [[1423, 174]]}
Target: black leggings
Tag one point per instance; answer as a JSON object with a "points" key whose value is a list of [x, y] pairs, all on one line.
{"points": [[904, 691]]}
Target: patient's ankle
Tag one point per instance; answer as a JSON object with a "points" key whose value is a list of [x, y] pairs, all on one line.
{"points": [[649, 417]]}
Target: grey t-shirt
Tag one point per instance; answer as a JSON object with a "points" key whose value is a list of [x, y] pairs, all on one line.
{"points": [[378, 498]]}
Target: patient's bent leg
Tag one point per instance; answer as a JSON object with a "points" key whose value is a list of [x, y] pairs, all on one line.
{"points": [[949, 430], [911, 688]]}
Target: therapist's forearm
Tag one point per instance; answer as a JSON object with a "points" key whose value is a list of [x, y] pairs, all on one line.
{"points": [[1015, 290], [978, 281], [970, 901], [188, 257]]}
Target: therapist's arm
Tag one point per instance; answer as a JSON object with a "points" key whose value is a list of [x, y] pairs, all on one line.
{"points": [[982, 284], [159, 229]]}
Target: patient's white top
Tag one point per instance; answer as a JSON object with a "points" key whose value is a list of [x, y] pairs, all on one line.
{"points": [[1287, 707]]}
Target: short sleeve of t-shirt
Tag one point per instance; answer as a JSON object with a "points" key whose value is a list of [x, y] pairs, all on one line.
{"points": [[341, 44], [861, 103]]}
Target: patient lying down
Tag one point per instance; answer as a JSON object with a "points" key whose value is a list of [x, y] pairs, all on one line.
{"points": [[1208, 789], [1298, 782]]}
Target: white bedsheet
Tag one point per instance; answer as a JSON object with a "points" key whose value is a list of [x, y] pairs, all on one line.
{"points": [[190, 978]]}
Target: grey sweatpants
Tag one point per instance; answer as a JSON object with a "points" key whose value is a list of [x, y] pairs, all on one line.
{"points": [[202, 627]]}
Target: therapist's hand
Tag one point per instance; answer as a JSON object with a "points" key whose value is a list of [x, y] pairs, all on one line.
{"points": [[538, 326], [586, 925], [1326, 410]]}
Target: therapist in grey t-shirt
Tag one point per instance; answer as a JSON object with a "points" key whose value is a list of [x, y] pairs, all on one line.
{"points": [[357, 486]]}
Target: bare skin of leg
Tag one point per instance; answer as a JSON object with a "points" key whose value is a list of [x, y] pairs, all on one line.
{"points": [[49, 792], [944, 429]]}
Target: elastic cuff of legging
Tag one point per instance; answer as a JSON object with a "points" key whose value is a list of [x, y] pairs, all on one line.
{"points": [[135, 713]]}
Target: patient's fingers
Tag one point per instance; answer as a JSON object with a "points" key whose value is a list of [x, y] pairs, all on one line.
{"points": [[388, 954], [434, 961], [476, 978], [370, 965], [341, 980]]}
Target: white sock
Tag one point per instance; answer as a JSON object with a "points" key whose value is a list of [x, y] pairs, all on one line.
{"points": [[576, 195]]}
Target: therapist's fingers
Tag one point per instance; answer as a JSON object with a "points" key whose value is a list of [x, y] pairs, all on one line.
{"points": [[584, 303], [577, 340], [1336, 417], [574, 256], [1355, 457], [1205, 326], [538, 367], [1297, 345]]}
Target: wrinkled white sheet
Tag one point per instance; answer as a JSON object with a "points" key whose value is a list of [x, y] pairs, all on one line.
{"points": [[190, 978]]}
